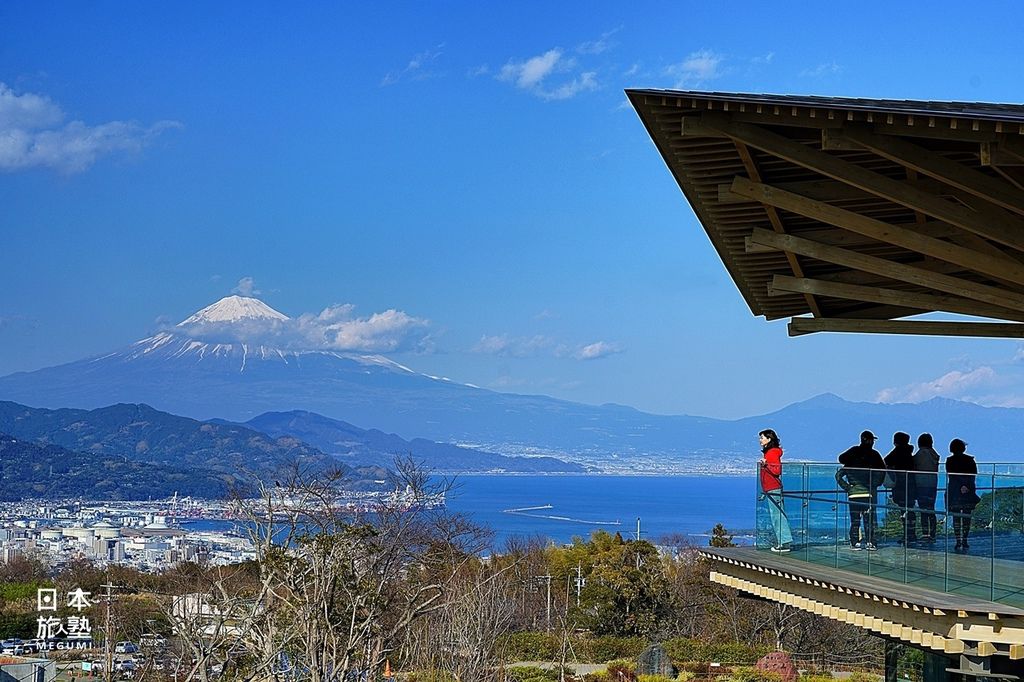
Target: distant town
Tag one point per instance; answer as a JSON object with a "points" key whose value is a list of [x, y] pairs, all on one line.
{"points": [[149, 535]]}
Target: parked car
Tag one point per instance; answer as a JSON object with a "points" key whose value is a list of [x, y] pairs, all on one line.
{"points": [[126, 648], [151, 640], [13, 647]]}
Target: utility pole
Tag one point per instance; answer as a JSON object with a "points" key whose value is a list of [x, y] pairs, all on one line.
{"points": [[108, 654], [638, 540], [549, 601], [580, 582]]}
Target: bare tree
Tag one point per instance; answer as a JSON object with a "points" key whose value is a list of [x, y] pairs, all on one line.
{"points": [[340, 583]]}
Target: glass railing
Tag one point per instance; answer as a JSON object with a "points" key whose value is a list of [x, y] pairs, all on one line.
{"points": [[956, 533]]}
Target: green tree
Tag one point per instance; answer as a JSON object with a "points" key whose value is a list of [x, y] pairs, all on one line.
{"points": [[1004, 508], [623, 585], [721, 537]]}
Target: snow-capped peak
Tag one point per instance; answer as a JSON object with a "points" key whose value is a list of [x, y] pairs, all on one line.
{"points": [[234, 309]]}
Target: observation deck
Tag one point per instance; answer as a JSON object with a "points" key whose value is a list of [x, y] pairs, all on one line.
{"points": [[927, 593]]}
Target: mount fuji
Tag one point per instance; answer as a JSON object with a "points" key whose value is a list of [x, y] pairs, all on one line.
{"points": [[240, 358]]}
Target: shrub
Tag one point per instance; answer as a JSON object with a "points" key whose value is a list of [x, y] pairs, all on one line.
{"points": [[13, 592], [529, 646], [682, 650], [530, 673], [598, 676], [685, 676], [430, 676], [817, 678], [861, 676], [607, 648], [622, 669], [754, 675], [653, 678]]}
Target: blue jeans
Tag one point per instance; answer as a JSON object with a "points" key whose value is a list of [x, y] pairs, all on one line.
{"points": [[776, 511]]}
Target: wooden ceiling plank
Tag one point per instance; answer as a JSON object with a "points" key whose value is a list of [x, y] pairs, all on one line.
{"points": [[776, 221], [798, 326], [876, 229], [1013, 144], [784, 284], [940, 168], [898, 271], [1001, 228]]}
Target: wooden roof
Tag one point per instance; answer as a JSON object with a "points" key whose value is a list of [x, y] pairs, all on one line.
{"points": [[849, 214]]}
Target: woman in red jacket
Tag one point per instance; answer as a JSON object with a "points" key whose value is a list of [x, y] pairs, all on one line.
{"points": [[771, 488]]}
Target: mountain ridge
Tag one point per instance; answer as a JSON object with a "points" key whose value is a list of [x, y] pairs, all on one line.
{"points": [[206, 378]]}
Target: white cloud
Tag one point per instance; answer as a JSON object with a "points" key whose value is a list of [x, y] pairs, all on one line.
{"points": [[955, 384], [418, 67], [824, 69], [388, 331], [602, 44], [530, 73], [535, 75], [335, 328], [246, 287], [764, 58], [504, 345], [33, 135], [698, 67], [598, 349]]}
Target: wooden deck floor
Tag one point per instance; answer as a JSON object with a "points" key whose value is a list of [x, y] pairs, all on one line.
{"points": [[934, 579]]}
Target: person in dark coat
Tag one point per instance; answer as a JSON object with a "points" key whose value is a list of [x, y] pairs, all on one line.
{"points": [[926, 484], [961, 491], [862, 472], [898, 462]]}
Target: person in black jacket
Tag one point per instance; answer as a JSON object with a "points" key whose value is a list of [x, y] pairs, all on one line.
{"points": [[926, 484], [961, 491], [862, 472], [899, 461]]}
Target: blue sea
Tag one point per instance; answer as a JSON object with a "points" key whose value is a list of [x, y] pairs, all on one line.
{"points": [[687, 505]]}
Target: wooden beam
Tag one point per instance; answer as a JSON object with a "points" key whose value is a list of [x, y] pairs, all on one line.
{"points": [[995, 225], [831, 190], [776, 221], [940, 168], [898, 271], [883, 296], [799, 326], [881, 231]]}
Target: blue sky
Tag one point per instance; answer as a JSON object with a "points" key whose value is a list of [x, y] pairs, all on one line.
{"points": [[473, 169]]}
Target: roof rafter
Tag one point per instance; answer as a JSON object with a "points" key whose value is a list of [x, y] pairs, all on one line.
{"points": [[776, 221], [898, 271], [940, 168], [993, 224], [894, 297], [799, 326], [881, 231]]}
